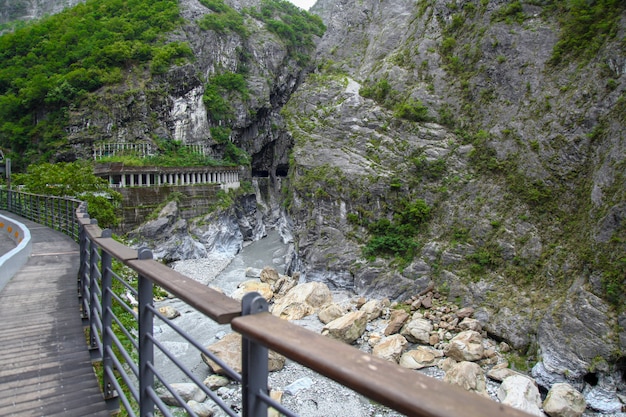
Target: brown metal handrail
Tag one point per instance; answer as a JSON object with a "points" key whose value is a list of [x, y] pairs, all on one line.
{"points": [[401, 389]]}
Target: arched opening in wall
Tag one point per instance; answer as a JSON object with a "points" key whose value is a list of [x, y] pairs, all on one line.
{"points": [[591, 378], [282, 170], [260, 173]]}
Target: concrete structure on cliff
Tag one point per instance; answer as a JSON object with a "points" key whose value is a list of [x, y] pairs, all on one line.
{"points": [[145, 188]]}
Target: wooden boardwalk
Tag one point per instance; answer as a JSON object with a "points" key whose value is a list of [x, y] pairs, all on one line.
{"points": [[45, 368]]}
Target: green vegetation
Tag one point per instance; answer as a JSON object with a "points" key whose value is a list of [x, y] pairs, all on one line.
{"points": [[223, 19], [51, 64], [170, 153], [486, 257], [432, 170], [376, 91], [219, 91], [293, 25], [381, 92], [232, 155], [510, 13], [398, 237], [411, 110], [76, 180], [611, 260], [585, 27]]}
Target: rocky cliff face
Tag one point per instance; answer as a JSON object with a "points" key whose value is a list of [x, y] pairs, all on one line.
{"points": [[12, 10], [519, 155], [429, 142], [145, 107]]}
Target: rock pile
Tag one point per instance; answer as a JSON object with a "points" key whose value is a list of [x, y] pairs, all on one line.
{"points": [[424, 331]]}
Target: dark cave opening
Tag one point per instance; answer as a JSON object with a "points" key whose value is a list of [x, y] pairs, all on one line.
{"points": [[621, 367], [591, 378], [282, 170]]}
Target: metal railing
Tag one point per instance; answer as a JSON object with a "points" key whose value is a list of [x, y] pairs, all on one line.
{"points": [[121, 337], [55, 212]]}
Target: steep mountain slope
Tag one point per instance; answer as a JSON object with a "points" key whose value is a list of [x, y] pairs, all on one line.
{"points": [[478, 146], [509, 121]]}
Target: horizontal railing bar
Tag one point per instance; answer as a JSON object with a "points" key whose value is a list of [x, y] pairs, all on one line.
{"points": [[188, 373], [123, 304], [125, 355], [230, 373], [219, 307], [404, 390], [119, 367], [275, 404], [163, 408], [122, 281], [118, 388]]}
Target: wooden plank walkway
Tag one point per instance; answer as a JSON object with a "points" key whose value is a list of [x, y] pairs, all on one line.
{"points": [[45, 368]]}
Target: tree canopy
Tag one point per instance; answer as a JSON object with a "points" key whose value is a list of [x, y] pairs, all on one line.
{"points": [[48, 65], [74, 179]]}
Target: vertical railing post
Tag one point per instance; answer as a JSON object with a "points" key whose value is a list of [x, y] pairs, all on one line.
{"points": [[110, 395], [254, 361], [146, 347], [93, 296], [82, 269]]}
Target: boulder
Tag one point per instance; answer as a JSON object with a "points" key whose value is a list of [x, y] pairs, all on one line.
{"points": [[373, 309], [347, 328], [396, 321], [214, 381], [330, 312], [200, 409], [187, 391], [465, 312], [390, 348], [421, 357], [572, 335], [245, 287], [564, 401], [417, 331], [374, 338], [278, 397], [284, 285], [269, 275], [501, 371], [470, 324], [169, 312], [302, 300], [603, 397], [522, 393], [469, 376], [229, 351], [466, 346]]}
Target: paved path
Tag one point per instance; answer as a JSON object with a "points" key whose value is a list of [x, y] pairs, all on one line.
{"points": [[45, 368]]}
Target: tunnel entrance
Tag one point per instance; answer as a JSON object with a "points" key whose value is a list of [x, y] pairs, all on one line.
{"points": [[282, 170]]}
